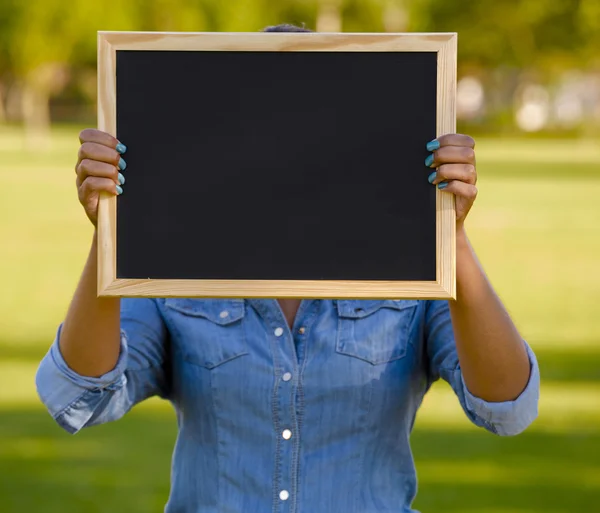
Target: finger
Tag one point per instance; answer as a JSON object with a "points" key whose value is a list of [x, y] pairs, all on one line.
{"points": [[461, 172], [451, 155], [98, 137], [101, 153], [93, 185], [456, 140], [89, 167], [460, 189]]}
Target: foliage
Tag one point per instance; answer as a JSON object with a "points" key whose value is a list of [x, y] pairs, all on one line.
{"points": [[522, 33]]}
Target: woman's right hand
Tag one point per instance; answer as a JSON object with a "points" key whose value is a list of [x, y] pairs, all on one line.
{"points": [[99, 166]]}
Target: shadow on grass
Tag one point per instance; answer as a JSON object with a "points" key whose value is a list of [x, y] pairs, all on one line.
{"points": [[118, 467], [474, 471], [30, 351], [124, 467]]}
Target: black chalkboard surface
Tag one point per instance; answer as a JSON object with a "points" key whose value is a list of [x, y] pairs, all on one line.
{"points": [[276, 165]]}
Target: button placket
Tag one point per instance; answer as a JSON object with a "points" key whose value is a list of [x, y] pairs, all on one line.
{"points": [[283, 345]]}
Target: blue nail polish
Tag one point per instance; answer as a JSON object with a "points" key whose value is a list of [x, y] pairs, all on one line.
{"points": [[433, 145], [121, 179], [121, 148], [122, 164], [119, 190], [442, 185], [431, 177], [429, 160]]}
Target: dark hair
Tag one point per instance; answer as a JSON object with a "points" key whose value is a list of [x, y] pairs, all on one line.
{"points": [[286, 27]]}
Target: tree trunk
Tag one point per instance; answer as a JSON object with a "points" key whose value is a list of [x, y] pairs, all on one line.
{"points": [[395, 16], [329, 16], [38, 86], [36, 116], [2, 109]]}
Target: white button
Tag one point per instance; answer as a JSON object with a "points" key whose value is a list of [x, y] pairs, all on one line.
{"points": [[287, 434], [278, 332], [284, 495], [287, 376], [224, 314], [301, 330]]}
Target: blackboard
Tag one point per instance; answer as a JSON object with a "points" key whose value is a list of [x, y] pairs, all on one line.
{"points": [[276, 168]]}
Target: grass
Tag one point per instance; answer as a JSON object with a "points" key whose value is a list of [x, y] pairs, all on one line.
{"points": [[534, 227]]}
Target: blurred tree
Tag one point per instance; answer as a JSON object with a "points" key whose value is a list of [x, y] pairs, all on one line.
{"points": [[45, 43], [513, 44], [538, 34], [589, 21], [7, 21], [42, 45]]}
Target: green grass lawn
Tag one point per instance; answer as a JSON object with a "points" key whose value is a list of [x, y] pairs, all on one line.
{"points": [[535, 228]]}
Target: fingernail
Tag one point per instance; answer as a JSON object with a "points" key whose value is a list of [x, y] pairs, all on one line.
{"points": [[429, 160], [433, 145], [431, 177], [119, 190], [121, 179], [122, 164], [121, 148], [442, 185]]}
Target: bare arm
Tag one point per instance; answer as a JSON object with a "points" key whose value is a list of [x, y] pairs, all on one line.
{"points": [[492, 355], [90, 337]]}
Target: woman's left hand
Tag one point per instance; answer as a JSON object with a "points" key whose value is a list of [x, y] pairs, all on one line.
{"points": [[453, 158]]}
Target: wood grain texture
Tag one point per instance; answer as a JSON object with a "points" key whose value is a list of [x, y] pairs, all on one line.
{"points": [[277, 42], [445, 202], [445, 44], [107, 206], [276, 288]]}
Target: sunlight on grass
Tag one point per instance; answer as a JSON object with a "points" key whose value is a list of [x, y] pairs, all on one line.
{"points": [[551, 292], [535, 228], [539, 244], [522, 151], [564, 408]]}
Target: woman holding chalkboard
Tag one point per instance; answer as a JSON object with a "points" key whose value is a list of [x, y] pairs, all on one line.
{"points": [[301, 406]]}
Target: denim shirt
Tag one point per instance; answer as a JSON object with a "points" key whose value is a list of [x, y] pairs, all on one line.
{"points": [[314, 419]]}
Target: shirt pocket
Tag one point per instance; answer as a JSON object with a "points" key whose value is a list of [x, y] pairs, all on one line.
{"points": [[207, 332], [375, 331]]}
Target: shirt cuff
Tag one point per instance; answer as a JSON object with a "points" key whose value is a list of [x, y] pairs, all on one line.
{"points": [[509, 417], [59, 386]]}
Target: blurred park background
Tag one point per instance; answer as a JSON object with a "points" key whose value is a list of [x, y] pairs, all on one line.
{"points": [[529, 91]]}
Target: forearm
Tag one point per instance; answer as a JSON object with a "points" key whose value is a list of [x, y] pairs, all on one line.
{"points": [[492, 354], [90, 336]]}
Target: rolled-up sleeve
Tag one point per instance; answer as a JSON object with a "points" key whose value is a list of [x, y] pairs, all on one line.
{"points": [[502, 418], [76, 401]]}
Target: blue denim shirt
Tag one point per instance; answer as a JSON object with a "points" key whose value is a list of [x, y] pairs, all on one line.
{"points": [[315, 419]]}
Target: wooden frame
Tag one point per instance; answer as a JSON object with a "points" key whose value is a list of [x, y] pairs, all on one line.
{"points": [[444, 44]]}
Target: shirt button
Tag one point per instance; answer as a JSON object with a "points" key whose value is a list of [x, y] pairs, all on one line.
{"points": [[301, 330], [284, 495], [287, 434], [287, 376], [224, 314], [278, 332]]}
